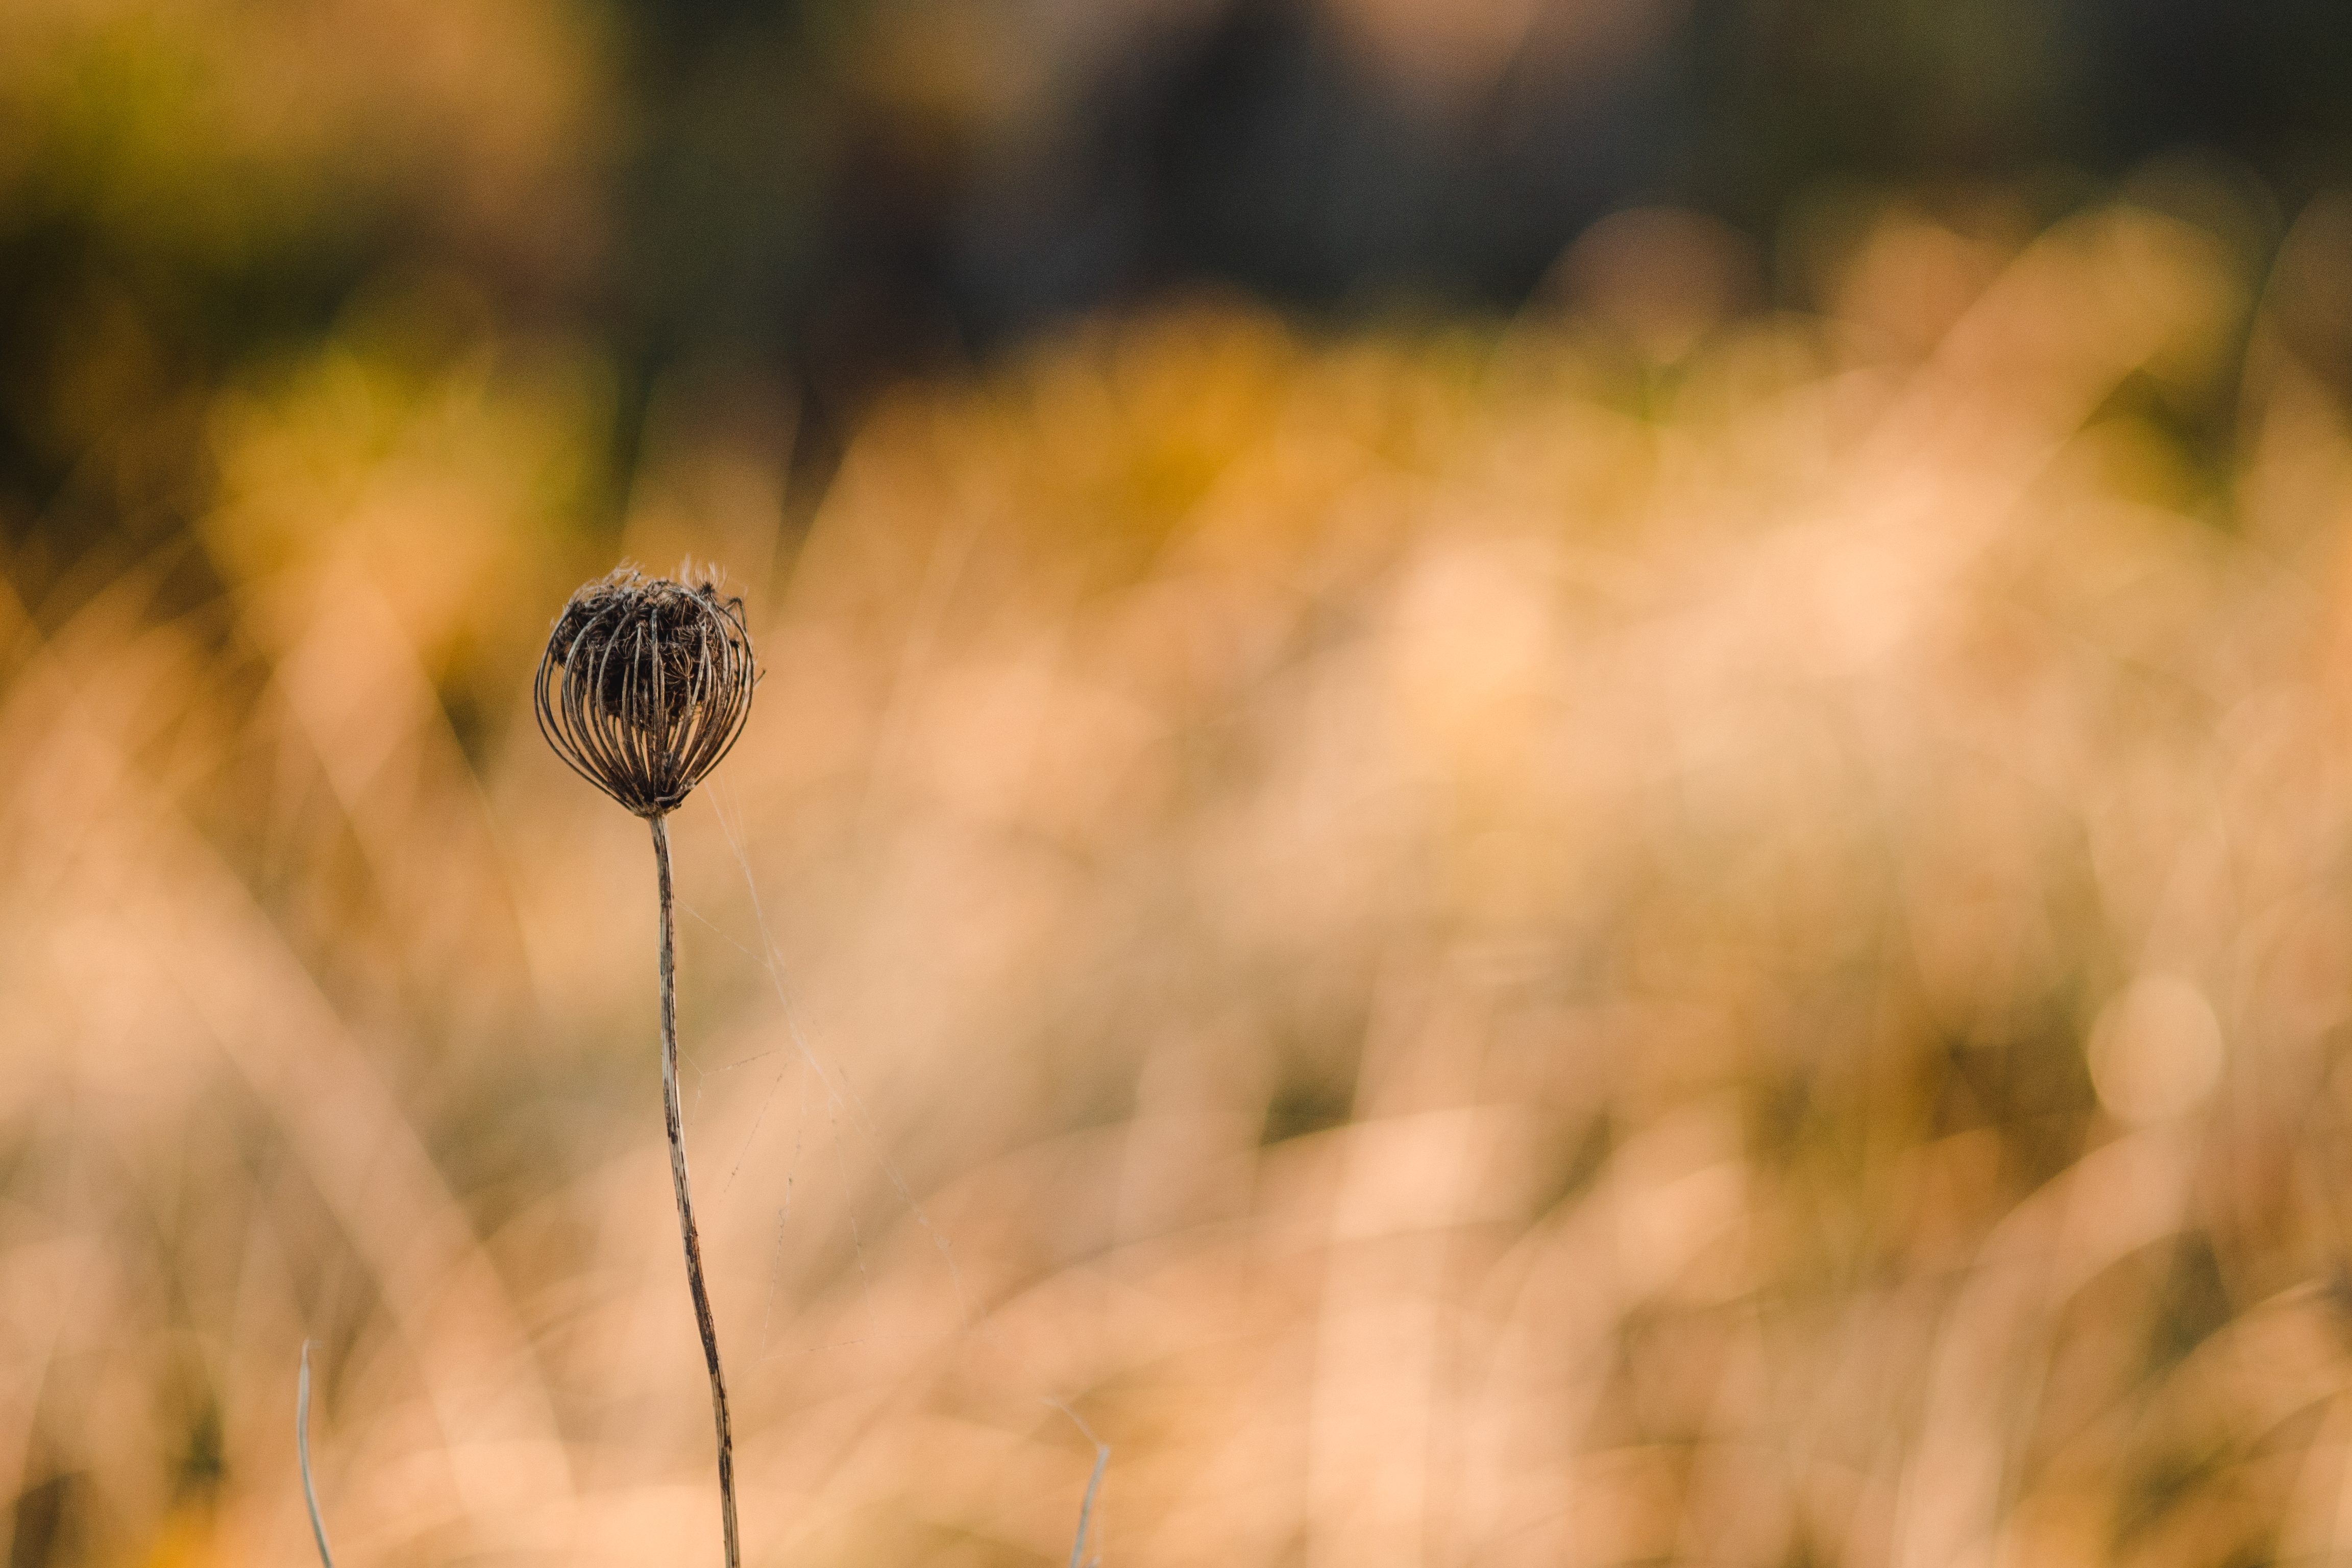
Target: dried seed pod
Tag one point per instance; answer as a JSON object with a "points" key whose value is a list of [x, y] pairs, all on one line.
{"points": [[645, 686]]}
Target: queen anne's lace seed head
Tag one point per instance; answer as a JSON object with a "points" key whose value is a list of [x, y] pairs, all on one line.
{"points": [[645, 686]]}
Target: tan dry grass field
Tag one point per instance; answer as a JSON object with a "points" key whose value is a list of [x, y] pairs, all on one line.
{"points": [[1625, 937]]}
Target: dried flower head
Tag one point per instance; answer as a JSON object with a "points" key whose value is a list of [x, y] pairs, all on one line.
{"points": [[645, 686]]}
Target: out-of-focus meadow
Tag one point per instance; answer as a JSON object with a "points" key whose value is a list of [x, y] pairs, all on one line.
{"points": [[1639, 928]]}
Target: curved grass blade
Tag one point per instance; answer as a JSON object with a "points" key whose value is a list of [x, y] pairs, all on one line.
{"points": [[302, 1451]]}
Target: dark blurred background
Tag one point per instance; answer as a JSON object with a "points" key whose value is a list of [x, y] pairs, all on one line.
{"points": [[822, 196]]}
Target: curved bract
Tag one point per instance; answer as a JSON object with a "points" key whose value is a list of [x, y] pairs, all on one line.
{"points": [[646, 685]]}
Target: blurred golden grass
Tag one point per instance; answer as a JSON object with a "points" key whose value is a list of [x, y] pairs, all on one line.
{"points": [[1480, 946], [208, 135]]}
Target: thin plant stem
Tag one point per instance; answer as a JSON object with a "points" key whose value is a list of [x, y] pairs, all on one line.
{"points": [[303, 1453], [1087, 1503], [684, 1199]]}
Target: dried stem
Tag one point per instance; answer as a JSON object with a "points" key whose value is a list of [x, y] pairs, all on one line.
{"points": [[1087, 1503], [685, 1200], [302, 1454]]}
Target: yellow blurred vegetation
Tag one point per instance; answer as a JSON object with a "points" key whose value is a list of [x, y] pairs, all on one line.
{"points": [[210, 132], [1646, 933]]}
